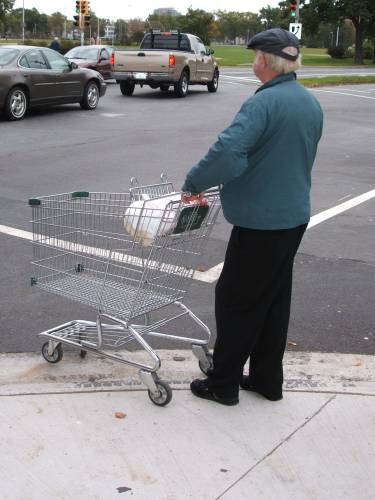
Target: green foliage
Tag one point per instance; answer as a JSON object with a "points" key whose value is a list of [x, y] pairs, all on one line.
{"points": [[56, 23], [199, 22], [5, 7], [368, 49], [337, 52], [272, 17], [237, 24], [163, 22], [360, 12]]}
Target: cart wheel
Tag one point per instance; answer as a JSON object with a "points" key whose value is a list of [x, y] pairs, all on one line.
{"points": [[56, 355], [82, 353], [210, 359], [164, 396]]}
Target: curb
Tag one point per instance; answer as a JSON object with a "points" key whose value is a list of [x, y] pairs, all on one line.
{"points": [[29, 373]]}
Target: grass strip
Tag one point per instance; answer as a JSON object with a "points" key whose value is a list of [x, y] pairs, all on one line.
{"points": [[235, 55], [335, 80]]}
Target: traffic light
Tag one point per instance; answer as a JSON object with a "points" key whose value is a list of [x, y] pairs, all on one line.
{"points": [[87, 20], [293, 8], [78, 6], [76, 20], [85, 7]]}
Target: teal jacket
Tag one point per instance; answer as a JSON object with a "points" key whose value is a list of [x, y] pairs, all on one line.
{"points": [[263, 160]]}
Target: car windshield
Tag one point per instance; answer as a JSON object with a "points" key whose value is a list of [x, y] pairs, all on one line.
{"points": [[82, 53], [7, 55]]}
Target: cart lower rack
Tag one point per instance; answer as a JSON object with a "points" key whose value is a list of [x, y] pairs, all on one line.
{"points": [[126, 255]]}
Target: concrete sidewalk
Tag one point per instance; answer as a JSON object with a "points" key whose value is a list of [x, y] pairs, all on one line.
{"points": [[60, 438]]}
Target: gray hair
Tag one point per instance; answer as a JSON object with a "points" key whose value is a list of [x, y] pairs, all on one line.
{"points": [[280, 64]]}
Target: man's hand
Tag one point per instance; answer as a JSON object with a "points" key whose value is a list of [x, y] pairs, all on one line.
{"points": [[194, 198]]}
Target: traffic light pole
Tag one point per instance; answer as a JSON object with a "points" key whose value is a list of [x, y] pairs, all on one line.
{"points": [[297, 12]]}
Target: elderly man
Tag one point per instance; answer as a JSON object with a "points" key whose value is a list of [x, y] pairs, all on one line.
{"points": [[263, 161]]}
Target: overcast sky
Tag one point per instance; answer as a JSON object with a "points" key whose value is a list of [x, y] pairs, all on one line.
{"points": [[126, 9]]}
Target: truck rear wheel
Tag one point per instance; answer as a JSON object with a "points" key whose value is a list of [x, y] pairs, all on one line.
{"points": [[214, 83], [127, 88], [182, 86]]}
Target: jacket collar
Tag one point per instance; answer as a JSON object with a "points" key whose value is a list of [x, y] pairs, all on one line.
{"points": [[278, 79]]}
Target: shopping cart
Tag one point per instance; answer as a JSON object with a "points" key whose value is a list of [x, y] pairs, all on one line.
{"points": [[96, 249]]}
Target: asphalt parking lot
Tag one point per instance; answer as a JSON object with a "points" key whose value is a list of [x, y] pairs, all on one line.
{"points": [[66, 149]]}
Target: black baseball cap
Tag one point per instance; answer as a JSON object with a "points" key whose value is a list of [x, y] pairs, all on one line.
{"points": [[275, 41]]}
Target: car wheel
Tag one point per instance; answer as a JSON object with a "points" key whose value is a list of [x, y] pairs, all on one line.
{"points": [[90, 97], [16, 104], [214, 83], [127, 88], [182, 86]]}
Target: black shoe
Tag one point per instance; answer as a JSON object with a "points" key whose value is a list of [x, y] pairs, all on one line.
{"points": [[247, 386], [199, 388]]}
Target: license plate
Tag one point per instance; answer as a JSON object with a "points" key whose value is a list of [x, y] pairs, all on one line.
{"points": [[140, 76]]}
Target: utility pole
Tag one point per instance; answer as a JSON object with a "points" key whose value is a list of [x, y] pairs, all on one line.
{"points": [[297, 12], [23, 21]]}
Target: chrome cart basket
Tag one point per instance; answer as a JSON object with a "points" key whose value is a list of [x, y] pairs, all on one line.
{"points": [[126, 255]]}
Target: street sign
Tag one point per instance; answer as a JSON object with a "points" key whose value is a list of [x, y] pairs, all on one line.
{"points": [[296, 29], [109, 31]]}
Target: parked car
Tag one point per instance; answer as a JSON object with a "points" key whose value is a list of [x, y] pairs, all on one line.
{"points": [[36, 76], [165, 59], [94, 57]]}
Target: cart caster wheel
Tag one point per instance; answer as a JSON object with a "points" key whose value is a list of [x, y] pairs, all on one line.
{"points": [[56, 355], [82, 353], [164, 396], [206, 369]]}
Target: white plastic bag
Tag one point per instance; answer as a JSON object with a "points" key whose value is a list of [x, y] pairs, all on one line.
{"points": [[142, 218]]}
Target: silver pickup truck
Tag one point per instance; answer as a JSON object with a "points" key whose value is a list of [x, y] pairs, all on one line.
{"points": [[165, 59]]}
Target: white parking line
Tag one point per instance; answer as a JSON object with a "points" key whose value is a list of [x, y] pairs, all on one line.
{"points": [[338, 209], [343, 93], [232, 83], [243, 78], [213, 273], [368, 91]]}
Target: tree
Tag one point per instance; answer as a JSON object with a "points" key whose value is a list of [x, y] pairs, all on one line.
{"points": [[5, 7], [35, 22], [271, 17], [199, 23], [358, 11], [163, 22], [56, 23], [238, 24], [136, 30]]}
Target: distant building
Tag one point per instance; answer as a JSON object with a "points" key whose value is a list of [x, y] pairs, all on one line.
{"points": [[166, 11]]}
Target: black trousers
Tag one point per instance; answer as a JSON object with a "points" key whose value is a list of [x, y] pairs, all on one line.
{"points": [[252, 308]]}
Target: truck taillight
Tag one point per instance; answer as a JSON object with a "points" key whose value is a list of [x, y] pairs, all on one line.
{"points": [[172, 61], [112, 59]]}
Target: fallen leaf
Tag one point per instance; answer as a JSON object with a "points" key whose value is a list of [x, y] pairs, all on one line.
{"points": [[120, 414], [359, 363], [292, 343], [200, 269]]}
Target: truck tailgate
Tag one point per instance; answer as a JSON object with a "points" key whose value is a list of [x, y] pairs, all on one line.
{"points": [[141, 60]]}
